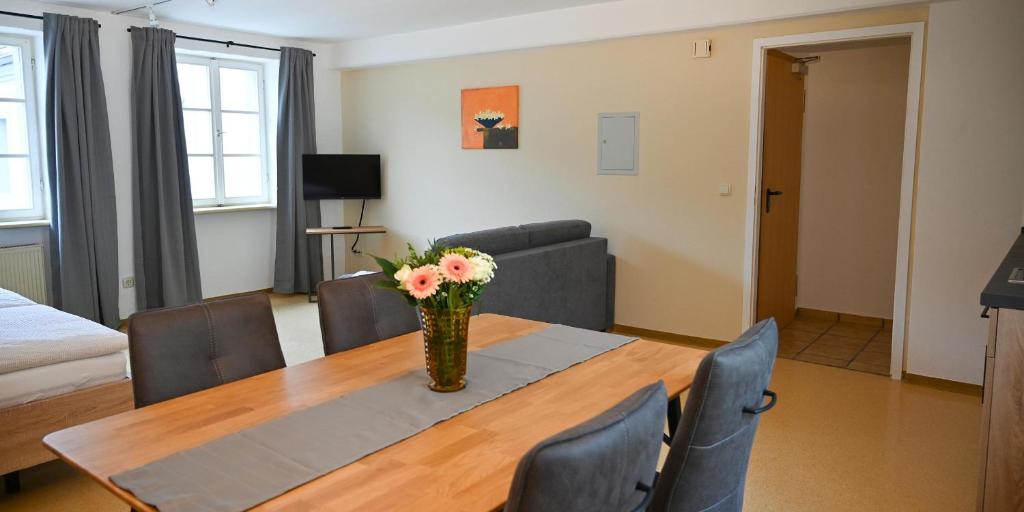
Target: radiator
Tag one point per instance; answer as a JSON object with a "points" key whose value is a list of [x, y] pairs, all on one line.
{"points": [[22, 271]]}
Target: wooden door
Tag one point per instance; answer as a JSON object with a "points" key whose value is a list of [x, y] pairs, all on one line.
{"points": [[780, 189]]}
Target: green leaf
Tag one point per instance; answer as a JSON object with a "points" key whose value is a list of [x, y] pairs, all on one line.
{"points": [[387, 266]]}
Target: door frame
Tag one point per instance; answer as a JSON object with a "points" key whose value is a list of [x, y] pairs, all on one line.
{"points": [[753, 217]]}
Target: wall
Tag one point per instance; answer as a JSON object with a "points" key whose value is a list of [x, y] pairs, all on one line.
{"points": [[592, 22], [850, 182], [236, 251], [236, 248], [679, 244], [970, 177]]}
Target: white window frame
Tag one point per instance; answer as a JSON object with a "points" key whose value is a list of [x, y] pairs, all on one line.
{"points": [[214, 64], [28, 60]]}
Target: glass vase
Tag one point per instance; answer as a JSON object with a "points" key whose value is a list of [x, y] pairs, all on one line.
{"points": [[445, 332]]}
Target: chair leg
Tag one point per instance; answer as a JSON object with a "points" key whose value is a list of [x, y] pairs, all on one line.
{"points": [[675, 413], [12, 482]]}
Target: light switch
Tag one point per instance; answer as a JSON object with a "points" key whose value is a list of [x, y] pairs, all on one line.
{"points": [[724, 189], [702, 48]]}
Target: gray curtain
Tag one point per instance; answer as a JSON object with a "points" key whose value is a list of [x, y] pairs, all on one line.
{"points": [[83, 226], [298, 261], [166, 256]]}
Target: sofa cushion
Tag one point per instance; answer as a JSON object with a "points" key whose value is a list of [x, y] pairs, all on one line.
{"points": [[560, 283], [491, 241], [557, 231]]}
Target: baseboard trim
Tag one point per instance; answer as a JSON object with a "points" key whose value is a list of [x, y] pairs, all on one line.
{"points": [[832, 316], [817, 314], [943, 384], [668, 337], [239, 294]]}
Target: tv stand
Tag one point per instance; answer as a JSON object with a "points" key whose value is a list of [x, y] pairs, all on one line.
{"points": [[340, 230]]}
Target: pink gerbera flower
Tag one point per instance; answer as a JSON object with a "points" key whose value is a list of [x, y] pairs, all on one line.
{"points": [[456, 268], [423, 281]]}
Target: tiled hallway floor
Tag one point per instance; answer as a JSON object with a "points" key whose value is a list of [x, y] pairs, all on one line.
{"points": [[843, 341]]}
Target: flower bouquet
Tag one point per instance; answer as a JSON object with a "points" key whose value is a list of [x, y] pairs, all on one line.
{"points": [[443, 283]]}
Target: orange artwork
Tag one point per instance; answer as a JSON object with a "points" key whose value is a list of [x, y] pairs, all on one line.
{"points": [[490, 118]]}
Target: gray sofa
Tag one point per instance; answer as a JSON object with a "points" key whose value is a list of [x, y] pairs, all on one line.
{"points": [[549, 271]]}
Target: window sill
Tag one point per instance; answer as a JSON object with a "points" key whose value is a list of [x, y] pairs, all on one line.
{"points": [[25, 224], [227, 209]]}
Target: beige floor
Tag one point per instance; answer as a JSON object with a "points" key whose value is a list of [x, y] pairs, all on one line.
{"points": [[837, 441]]}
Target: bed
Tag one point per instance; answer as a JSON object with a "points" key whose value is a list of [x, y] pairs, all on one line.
{"points": [[56, 370]]}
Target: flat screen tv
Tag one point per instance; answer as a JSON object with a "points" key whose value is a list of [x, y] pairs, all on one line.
{"points": [[341, 176]]}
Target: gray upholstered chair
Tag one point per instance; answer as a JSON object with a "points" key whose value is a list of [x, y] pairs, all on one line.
{"points": [[608, 463], [177, 351], [706, 467], [354, 312]]}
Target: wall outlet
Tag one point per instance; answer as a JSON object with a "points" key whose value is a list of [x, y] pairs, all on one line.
{"points": [[128, 282]]}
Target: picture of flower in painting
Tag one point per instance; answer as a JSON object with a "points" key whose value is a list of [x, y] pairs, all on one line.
{"points": [[490, 118]]}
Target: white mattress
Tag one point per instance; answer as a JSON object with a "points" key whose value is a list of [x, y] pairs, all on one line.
{"points": [[36, 335], [24, 386], [9, 299]]}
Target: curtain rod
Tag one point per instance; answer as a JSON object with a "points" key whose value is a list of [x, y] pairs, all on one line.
{"points": [[20, 15], [30, 16], [229, 44]]}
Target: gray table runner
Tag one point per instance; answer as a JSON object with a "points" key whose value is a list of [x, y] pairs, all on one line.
{"points": [[242, 470]]}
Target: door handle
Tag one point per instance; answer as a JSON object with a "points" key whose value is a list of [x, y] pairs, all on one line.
{"points": [[768, 198]]}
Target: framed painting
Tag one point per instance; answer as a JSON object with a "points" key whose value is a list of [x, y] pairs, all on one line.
{"points": [[490, 118]]}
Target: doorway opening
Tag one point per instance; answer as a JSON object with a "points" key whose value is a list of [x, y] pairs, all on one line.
{"points": [[833, 163]]}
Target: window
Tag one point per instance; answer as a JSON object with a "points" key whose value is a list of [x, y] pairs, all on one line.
{"points": [[225, 131], [21, 185]]}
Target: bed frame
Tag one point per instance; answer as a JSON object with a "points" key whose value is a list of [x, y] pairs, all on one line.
{"points": [[22, 427]]}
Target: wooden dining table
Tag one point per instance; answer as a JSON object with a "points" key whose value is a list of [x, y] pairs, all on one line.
{"points": [[461, 464]]}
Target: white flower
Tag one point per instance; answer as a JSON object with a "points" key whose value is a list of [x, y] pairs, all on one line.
{"points": [[483, 268], [402, 275], [489, 114]]}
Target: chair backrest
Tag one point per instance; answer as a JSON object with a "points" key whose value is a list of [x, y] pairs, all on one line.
{"points": [[177, 351], [607, 463], [354, 312], [706, 467]]}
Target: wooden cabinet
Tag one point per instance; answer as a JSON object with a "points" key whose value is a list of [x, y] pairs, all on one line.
{"points": [[1001, 481]]}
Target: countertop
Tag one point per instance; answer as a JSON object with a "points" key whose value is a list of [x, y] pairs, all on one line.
{"points": [[999, 293]]}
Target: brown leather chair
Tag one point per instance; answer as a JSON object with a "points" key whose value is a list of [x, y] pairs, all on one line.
{"points": [[177, 351], [355, 312]]}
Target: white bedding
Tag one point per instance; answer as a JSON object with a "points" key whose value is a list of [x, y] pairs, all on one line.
{"points": [[24, 386], [9, 299], [35, 335]]}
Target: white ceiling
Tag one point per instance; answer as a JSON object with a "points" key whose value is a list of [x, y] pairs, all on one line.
{"points": [[332, 20]]}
